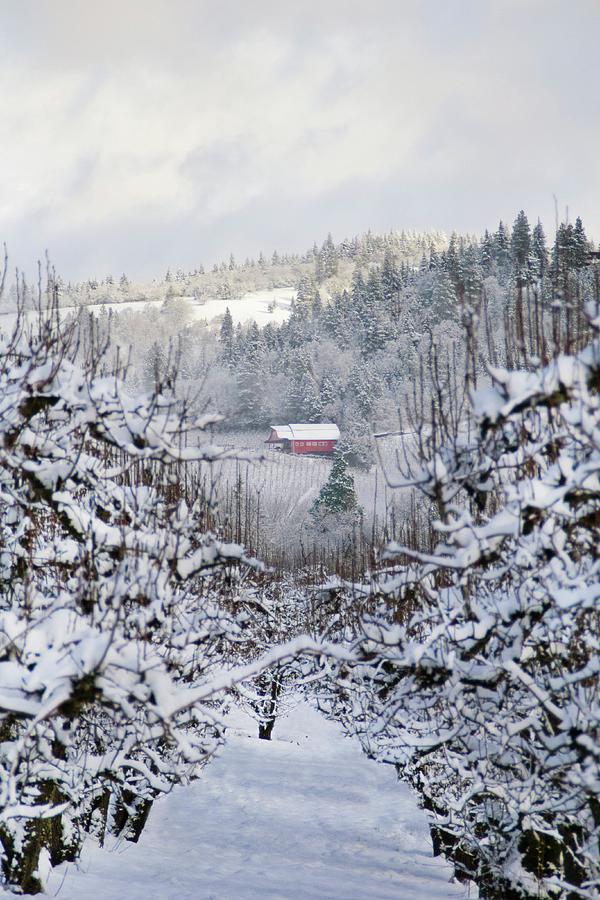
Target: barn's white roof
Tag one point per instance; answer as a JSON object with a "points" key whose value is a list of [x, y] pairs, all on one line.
{"points": [[282, 432], [299, 432]]}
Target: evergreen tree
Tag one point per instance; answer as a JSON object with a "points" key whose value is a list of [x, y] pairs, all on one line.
{"points": [[299, 331], [443, 298], [364, 389], [270, 337], [303, 399], [376, 330], [306, 289], [581, 246], [358, 308], [487, 253], [520, 246], [375, 291], [502, 242], [452, 258], [226, 337], [563, 251], [330, 390], [316, 307], [318, 261], [329, 258], [539, 250], [329, 318], [337, 494], [471, 276]]}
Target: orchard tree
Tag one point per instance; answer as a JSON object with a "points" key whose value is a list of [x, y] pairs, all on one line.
{"points": [[116, 605], [476, 672]]}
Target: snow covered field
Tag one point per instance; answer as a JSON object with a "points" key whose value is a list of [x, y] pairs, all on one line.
{"points": [[261, 306], [304, 817]]}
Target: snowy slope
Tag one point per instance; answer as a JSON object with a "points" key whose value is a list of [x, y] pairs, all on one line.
{"points": [[260, 306], [304, 817]]}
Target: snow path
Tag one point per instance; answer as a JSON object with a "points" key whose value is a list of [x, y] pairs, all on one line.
{"points": [[304, 817]]}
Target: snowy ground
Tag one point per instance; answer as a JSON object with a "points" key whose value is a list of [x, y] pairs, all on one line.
{"points": [[304, 817], [261, 306]]}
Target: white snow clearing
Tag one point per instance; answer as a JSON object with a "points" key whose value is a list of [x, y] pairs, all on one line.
{"points": [[304, 817], [261, 306], [273, 305]]}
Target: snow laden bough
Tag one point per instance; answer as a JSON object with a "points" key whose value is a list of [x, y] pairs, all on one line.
{"points": [[116, 606], [478, 674]]}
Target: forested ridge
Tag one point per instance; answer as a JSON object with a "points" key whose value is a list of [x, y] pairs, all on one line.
{"points": [[462, 649]]}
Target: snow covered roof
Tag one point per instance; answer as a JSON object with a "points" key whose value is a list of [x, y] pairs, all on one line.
{"points": [[313, 432], [282, 433], [318, 432]]}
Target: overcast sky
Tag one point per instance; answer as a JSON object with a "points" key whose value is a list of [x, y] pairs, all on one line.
{"points": [[141, 134]]}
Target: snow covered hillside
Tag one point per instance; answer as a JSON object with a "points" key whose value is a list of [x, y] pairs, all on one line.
{"points": [[304, 817], [258, 306]]}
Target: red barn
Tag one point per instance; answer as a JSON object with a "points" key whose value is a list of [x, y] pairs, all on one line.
{"points": [[299, 439]]}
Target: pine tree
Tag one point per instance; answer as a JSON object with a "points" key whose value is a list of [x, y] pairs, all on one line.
{"points": [[305, 289], [338, 494], [539, 250], [487, 253], [375, 291], [329, 258], [364, 389], [376, 330], [471, 276], [226, 337], [303, 398], [452, 258], [316, 307], [502, 241], [520, 246], [563, 251], [580, 245], [318, 261], [443, 298], [329, 393]]}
